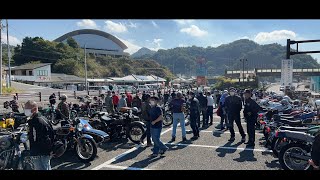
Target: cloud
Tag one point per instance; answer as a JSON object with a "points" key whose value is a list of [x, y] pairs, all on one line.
{"points": [[183, 22], [115, 27], [154, 24], [274, 36], [182, 45], [87, 23], [12, 40], [244, 37], [132, 25], [194, 30], [132, 48]]}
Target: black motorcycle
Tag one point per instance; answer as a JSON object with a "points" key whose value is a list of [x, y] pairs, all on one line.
{"points": [[70, 133], [11, 156], [119, 125], [167, 115]]}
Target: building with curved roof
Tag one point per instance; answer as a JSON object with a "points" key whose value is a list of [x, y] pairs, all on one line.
{"points": [[97, 42]]}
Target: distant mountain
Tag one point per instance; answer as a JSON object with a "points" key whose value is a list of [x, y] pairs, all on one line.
{"points": [[182, 60], [143, 52]]}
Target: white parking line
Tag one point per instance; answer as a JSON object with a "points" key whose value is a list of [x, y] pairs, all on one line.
{"points": [[124, 167], [123, 154], [218, 131], [220, 147]]}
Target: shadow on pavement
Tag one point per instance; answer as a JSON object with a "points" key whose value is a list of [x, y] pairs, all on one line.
{"points": [[145, 162], [115, 145], [68, 161], [246, 155], [222, 152], [273, 164], [130, 156]]}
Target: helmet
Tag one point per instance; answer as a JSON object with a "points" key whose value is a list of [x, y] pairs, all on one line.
{"points": [[63, 97], [284, 102], [135, 109], [59, 148]]}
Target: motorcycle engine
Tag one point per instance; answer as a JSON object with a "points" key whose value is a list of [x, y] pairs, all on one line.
{"points": [[5, 142]]}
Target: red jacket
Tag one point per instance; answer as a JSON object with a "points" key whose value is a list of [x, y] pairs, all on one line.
{"points": [[129, 98], [115, 99]]}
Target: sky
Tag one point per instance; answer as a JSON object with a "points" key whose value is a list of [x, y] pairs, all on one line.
{"points": [[165, 34]]}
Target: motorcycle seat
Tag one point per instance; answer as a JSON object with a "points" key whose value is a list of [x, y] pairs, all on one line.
{"points": [[108, 119], [302, 136], [291, 122], [301, 129]]}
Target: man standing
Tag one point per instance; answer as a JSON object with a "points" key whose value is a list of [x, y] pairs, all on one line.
{"points": [[136, 102], [233, 106], [129, 98], [40, 137], [165, 97], [251, 109], [203, 108], [177, 106], [156, 127], [145, 109], [210, 102], [115, 100], [63, 107], [109, 103], [15, 105], [194, 110]]}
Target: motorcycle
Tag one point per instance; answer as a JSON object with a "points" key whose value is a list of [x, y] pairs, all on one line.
{"points": [[11, 156], [119, 125], [51, 114], [71, 135], [295, 155], [12, 120], [167, 116]]}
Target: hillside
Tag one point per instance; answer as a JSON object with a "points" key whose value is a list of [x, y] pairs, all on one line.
{"points": [[183, 59], [69, 59], [143, 52]]}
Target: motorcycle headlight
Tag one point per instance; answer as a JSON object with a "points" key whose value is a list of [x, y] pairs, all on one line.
{"points": [[24, 137], [80, 127]]}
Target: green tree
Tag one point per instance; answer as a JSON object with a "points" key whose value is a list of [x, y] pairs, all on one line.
{"points": [[72, 43]]}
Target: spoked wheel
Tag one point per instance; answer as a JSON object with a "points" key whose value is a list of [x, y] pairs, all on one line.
{"points": [[168, 120], [135, 133], [86, 150], [294, 157]]}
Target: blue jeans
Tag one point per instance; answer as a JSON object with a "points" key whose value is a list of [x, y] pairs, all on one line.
{"points": [[158, 145], [178, 117], [41, 162]]}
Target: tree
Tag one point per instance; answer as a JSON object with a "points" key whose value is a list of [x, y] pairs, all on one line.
{"points": [[72, 43]]}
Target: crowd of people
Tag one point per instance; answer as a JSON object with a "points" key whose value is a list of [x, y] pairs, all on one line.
{"points": [[199, 105]]}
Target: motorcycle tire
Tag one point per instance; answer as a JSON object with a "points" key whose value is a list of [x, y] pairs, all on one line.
{"points": [[93, 145], [168, 120], [284, 151], [134, 128]]}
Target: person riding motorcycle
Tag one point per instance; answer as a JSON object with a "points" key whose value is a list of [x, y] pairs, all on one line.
{"points": [[63, 108], [14, 104]]}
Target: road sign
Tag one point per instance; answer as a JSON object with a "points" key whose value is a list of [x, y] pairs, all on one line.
{"points": [[286, 72]]}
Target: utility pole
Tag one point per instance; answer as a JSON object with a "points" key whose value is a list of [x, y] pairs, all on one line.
{"points": [[9, 55], [85, 67], [243, 61], [0, 57]]}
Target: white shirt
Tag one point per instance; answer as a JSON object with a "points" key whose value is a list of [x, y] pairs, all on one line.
{"points": [[210, 100]]}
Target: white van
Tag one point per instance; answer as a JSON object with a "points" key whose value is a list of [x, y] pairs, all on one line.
{"points": [[104, 89], [142, 88]]}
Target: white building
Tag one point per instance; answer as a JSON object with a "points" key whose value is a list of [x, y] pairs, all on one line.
{"points": [[98, 43], [31, 73]]}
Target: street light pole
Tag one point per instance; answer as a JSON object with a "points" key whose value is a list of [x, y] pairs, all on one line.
{"points": [[9, 55], [0, 57], [85, 67], [243, 61]]}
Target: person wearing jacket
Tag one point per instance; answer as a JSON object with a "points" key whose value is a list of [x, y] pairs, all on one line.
{"points": [[38, 136], [136, 101], [122, 101], [223, 111], [63, 107], [203, 108], [233, 106], [210, 104], [115, 101], [177, 107], [109, 103], [145, 108], [251, 109], [194, 109]]}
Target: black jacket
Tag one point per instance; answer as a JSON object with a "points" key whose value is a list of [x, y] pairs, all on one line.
{"points": [[252, 107], [233, 104], [194, 107], [315, 153], [202, 101], [38, 135]]}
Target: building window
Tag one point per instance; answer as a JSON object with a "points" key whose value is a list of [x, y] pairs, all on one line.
{"points": [[30, 73], [24, 73], [42, 73], [13, 72]]}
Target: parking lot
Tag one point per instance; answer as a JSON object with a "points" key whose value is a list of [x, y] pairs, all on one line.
{"points": [[211, 151]]}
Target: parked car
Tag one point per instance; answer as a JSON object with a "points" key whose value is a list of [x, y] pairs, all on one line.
{"points": [[142, 88]]}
